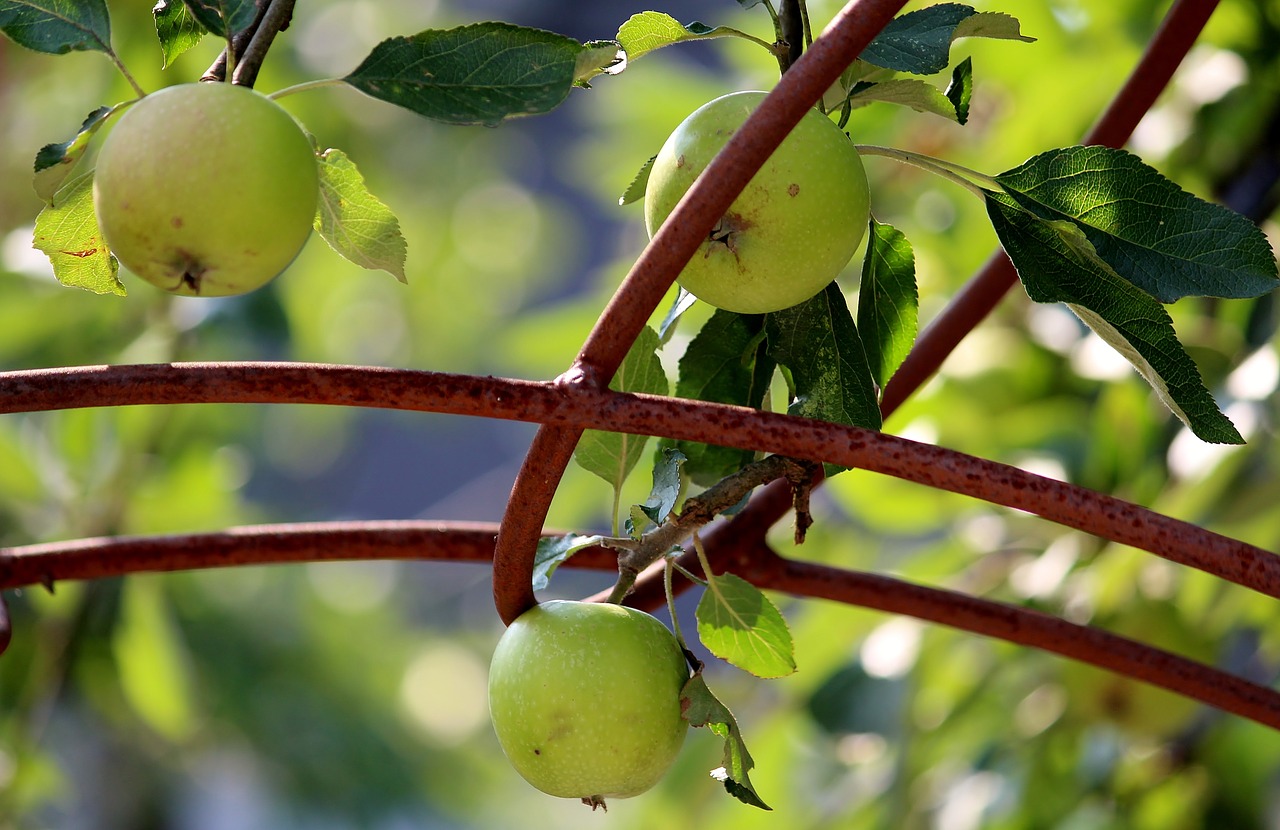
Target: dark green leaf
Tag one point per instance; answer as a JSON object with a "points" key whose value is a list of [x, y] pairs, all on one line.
{"points": [[67, 232], [819, 343], [223, 18], [55, 162], [353, 221], [176, 28], [57, 26], [702, 708], [666, 486], [888, 301], [738, 623], [960, 90], [635, 190], [1164, 240], [1057, 263], [725, 363], [477, 74], [552, 553], [612, 455], [919, 42]]}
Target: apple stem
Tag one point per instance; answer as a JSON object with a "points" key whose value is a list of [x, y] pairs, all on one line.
{"points": [[124, 70]]}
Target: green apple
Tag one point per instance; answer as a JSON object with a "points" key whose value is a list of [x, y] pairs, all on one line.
{"points": [[793, 228], [585, 699], [206, 189]]}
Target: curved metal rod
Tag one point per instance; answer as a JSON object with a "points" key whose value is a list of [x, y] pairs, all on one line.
{"points": [[47, 563], [586, 408]]}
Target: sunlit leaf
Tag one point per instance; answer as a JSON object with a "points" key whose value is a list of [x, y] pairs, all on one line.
{"points": [[354, 222], [648, 31], [739, 624], [177, 29], [67, 232]]}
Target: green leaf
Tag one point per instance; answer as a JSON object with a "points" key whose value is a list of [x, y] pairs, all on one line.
{"points": [[907, 92], [553, 551], [727, 362], [478, 74], [223, 18], [738, 623], [701, 708], [67, 232], [1057, 263], [635, 190], [153, 664], [819, 343], [597, 57], [612, 455], [666, 486], [1164, 240], [177, 29], [56, 162], [888, 301], [57, 26], [353, 221], [960, 90], [919, 42], [649, 31]]}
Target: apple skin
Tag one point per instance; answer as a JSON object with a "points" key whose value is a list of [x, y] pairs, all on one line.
{"points": [[793, 228], [206, 189], [585, 699]]}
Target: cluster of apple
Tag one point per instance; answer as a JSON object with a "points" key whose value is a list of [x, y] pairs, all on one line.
{"points": [[211, 189]]}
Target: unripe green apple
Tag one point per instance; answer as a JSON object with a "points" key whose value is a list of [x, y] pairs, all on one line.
{"points": [[793, 228], [206, 189], [585, 699]]}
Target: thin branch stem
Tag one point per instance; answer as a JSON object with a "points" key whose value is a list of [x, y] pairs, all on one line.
{"points": [[124, 70], [306, 86], [950, 171], [671, 247], [271, 21], [571, 409]]}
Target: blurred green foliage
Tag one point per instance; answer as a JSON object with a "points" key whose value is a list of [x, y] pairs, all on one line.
{"points": [[344, 695]]}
